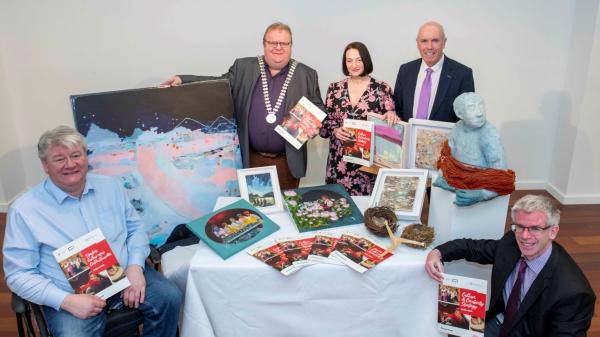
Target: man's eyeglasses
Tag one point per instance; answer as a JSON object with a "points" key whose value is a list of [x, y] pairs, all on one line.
{"points": [[275, 44], [533, 230]]}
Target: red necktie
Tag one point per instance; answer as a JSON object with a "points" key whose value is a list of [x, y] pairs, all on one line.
{"points": [[512, 306]]}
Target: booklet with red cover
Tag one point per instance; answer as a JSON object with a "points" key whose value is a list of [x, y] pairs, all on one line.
{"points": [[359, 253], [273, 255], [302, 123], [90, 266], [297, 248], [360, 148], [322, 247], [461, 306]]}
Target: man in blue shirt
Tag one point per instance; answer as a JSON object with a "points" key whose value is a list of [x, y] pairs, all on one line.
{"points": [[69, 203], [550, 294]]}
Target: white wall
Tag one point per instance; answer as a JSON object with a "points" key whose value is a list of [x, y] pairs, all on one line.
{"points": [[529, 59]]}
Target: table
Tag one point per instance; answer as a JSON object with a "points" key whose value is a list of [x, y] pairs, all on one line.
{"points": [[242, 297]]}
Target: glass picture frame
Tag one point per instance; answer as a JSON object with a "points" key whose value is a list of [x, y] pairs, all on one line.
{"points": [[260, 187], [426, 140], [391, 142], [403, 190]]}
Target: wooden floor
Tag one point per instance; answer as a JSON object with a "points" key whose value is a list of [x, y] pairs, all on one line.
{"points": [[579, 234]]}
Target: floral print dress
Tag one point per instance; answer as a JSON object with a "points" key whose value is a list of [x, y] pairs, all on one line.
{"points": [[376, 98]]}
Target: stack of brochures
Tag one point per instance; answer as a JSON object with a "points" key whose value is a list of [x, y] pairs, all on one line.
{"points": [[289, 255]]}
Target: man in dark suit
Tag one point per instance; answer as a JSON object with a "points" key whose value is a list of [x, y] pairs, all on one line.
{"points": [[537, 289], [426, 87], [264, 89]]}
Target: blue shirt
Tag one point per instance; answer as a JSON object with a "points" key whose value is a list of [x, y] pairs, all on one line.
{"points": [[531, 272], [46, 218]]}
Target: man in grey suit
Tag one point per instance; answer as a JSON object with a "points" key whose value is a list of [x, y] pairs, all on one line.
{"points": [[426, 87], [264, 89]]}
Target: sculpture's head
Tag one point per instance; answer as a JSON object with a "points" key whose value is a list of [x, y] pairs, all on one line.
{"points": [[470, 109]]}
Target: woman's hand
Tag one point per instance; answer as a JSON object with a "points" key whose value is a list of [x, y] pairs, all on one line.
{"points": [[391, 117], [342, 134]]}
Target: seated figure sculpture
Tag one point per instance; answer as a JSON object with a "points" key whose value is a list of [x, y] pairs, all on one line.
{"points": [[475, 168]]}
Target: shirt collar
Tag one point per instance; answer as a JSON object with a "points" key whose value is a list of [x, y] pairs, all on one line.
{"points": [[282, 72], [437, 68], [539, 262], [59, 195]]}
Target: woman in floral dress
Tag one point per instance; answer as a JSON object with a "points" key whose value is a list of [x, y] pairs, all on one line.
{"points": [[353, 97]]}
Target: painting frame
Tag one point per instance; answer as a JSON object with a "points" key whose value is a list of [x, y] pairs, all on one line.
{"points": [[419, 155], [418, 181], [245, 189], [390, 152]]}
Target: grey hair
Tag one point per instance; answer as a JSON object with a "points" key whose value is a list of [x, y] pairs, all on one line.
{"points": [[432, 23], [532, 203], [277, 25], [60, 135]]}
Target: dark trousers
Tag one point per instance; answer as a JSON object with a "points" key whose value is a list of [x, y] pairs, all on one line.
{"points": [[286, 179]]}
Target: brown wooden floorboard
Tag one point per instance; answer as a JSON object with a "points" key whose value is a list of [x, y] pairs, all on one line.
{"points": [[579, 234]]}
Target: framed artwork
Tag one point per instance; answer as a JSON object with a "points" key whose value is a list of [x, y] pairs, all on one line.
{"points": [[260, 187], [175, 150], [321, 207], [391, 142], [233, 228], [403, 190], [426, 140]]}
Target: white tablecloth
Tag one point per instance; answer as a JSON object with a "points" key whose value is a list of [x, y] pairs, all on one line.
{"points": [[243, 297]]}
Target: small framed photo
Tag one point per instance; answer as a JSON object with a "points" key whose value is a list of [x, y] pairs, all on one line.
{"points": [[426, 141], [260, 187], [402, 190]]}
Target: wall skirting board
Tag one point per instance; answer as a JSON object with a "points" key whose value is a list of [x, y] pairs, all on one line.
{"points": [[572, 199]]}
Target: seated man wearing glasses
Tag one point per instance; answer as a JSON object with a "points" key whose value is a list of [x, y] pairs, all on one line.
{"points": [[537, 288], [264, 90], [69, 203]]}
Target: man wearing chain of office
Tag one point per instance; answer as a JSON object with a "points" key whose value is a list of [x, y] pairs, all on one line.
{"points": [[264, 89]]}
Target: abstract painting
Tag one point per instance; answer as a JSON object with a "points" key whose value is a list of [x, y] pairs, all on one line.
{"points": [[402, 190], [426, 141], [174, 149], [391, 142]]}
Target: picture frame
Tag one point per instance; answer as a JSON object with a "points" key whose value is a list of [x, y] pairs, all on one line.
{"points": [[403, 190], [426, 140], [260, 187], [391, 142]]}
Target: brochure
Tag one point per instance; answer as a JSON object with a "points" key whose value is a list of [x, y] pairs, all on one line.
{"points": [[297, 249], [359, 149], [302, 123], [233, 228], [273, 255], [461, 306], [90, 266], [322, 247], [359, 253]]}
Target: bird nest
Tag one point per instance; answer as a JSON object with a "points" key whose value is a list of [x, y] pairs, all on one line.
{"points": [[418, 232], [376, 218]]}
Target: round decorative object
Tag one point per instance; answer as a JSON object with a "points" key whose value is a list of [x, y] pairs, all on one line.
{"points": [[377, 217], [418, 232], [271, 118]]}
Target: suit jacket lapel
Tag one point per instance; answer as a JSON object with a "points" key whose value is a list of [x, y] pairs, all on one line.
{"points": [[505, 267], [443, 85], [413, 73], [537, 287], [255, 75]]}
